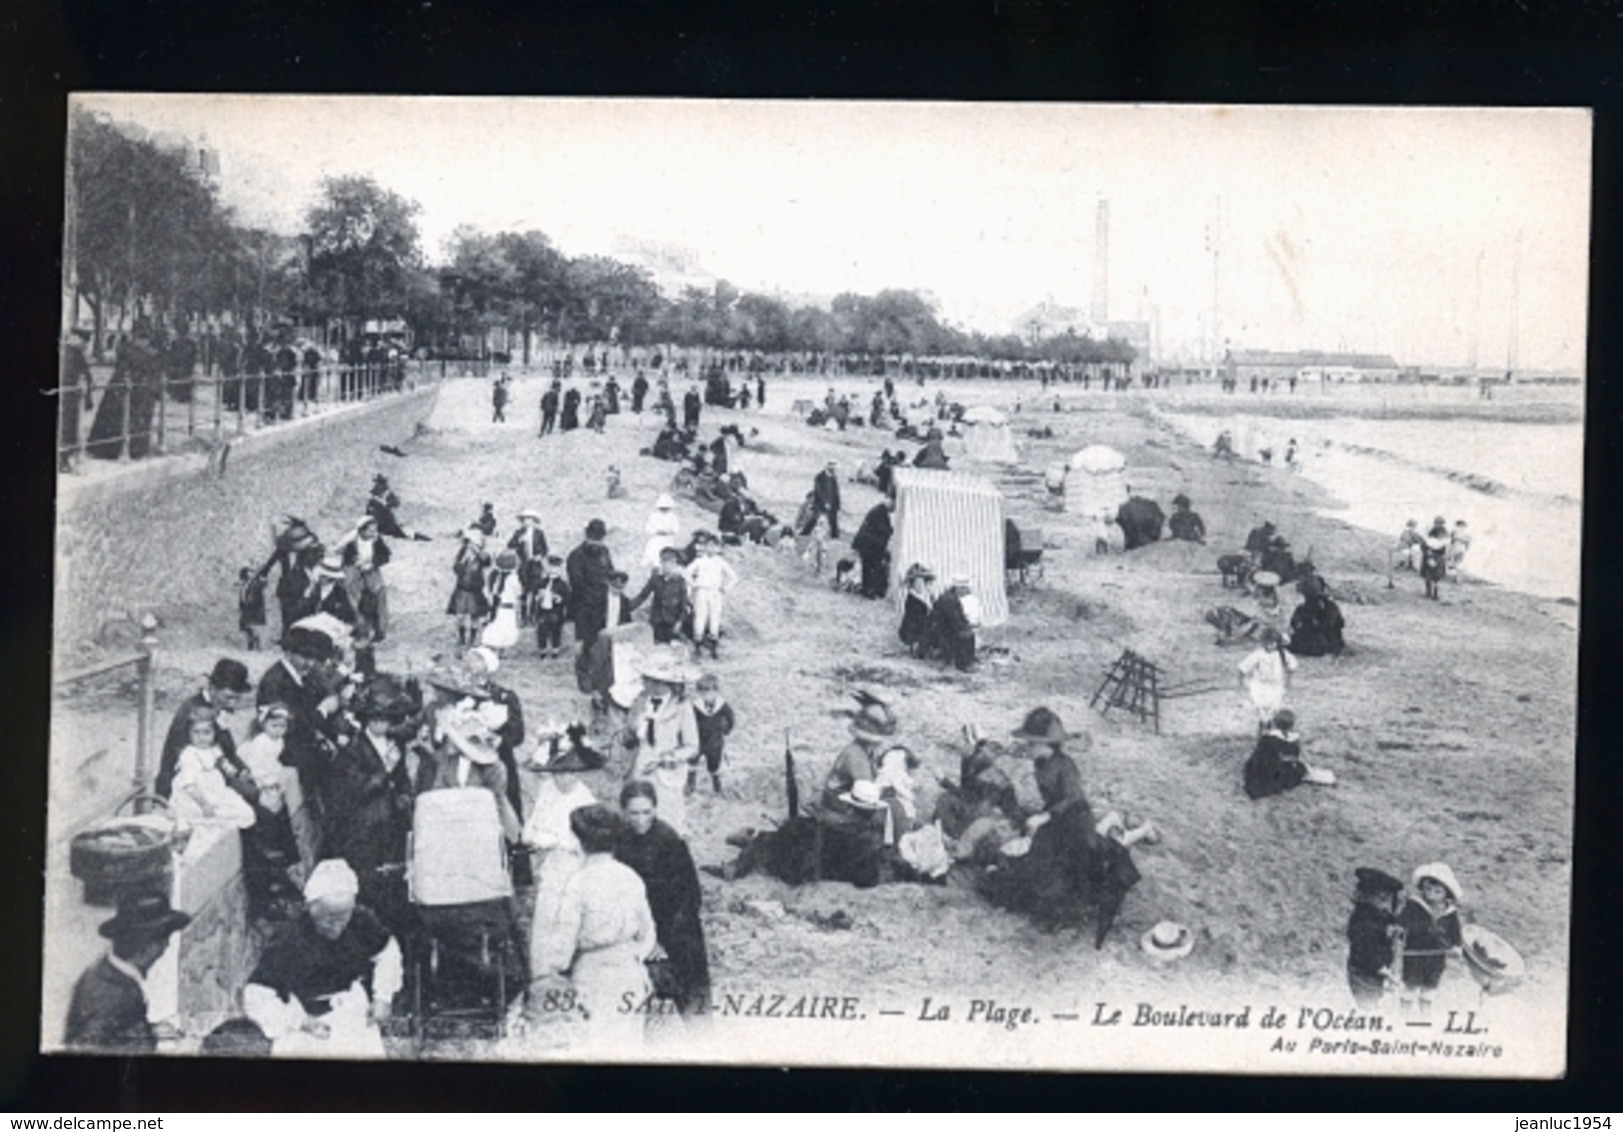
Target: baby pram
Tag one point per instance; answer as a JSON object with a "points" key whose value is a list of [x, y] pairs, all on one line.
{"points": [[1022, 551], [466, 963]]}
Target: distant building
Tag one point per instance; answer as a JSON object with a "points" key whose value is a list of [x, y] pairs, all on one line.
{"points": [[1049, 319], [673, 267], [1310, 365]]}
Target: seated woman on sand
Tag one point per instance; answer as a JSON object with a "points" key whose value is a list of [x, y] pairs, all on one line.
{"points": [[1073, 863]]}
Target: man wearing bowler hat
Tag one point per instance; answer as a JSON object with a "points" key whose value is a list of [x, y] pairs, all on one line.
{"points": [[227, 687], [108, 1011]]}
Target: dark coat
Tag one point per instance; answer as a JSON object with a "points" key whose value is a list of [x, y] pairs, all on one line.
{"points": [[305, 965], [305, 746], [1426, 933], [368, 810], [826, 492], [1140, 520], [560, 598], [1369, 943], [108, 1013], [1187, 526], [1274, 767], [588, 567], [662, 859], [1070, 867], [949, 616], [1316, 628], [509, 736], [177, 738], [714, 727], [669, 594], [873, 537], [380, 551], [468, 596], [915, 620], [571, 412], [529, 544]]}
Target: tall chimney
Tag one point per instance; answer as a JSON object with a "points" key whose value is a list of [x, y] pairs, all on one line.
{"points": [[1101, 265]]}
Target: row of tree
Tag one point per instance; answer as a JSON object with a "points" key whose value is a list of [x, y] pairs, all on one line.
{"points": [[148, 233]]}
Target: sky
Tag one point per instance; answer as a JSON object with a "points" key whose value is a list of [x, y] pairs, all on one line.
{"points": [[1384, 230]]}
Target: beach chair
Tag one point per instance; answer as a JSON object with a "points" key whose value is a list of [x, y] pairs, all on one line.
{"points": [[464, 963]]}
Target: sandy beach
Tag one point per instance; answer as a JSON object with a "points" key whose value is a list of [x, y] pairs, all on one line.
{"points": [[1449, 724]]}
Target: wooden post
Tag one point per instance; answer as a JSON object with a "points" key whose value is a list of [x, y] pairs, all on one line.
{"points": [[144, 718]]}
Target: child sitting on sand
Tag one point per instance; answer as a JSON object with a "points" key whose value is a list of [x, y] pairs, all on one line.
{"points": [[1276, 765]]}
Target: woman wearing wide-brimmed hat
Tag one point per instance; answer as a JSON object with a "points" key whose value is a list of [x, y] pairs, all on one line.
{"points": [[873, 726], [915, 628], [554, 851], [1071, 866], [465, 754], [666, 736]]}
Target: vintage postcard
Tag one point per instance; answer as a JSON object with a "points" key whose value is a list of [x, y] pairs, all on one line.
{"points": [[986, 586]]}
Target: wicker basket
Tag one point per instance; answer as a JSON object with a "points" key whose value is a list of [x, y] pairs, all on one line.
{"points": [[127, 854]]}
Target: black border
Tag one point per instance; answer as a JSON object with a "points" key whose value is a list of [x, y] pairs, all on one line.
{"points": [[1513, 53]]}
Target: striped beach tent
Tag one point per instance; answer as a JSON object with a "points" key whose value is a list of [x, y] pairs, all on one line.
{"points": [[952, 523]]}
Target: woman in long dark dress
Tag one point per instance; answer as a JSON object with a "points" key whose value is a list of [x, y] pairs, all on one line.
{"points": [[1070, 867], [657, 854], [134, 384]]}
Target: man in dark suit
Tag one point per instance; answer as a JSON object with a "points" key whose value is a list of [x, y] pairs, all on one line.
{"points": [[227, 687], [329, 594], [108, 1011], [529, 542], [368, 801], [291, 682], [825, 500]]}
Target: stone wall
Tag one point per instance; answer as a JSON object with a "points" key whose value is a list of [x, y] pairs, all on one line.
{"points": [[168, 536]]}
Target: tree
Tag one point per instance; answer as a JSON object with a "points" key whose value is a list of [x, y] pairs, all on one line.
{"points": [[144, 228], [537, 282], [363, 249], [764, 322], [607, 300]]}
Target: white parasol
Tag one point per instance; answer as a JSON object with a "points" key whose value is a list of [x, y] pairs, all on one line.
{"points": [[1098, 459], [984, 414]]}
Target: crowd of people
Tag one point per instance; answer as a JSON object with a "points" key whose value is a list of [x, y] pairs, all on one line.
{"points": [[334, 790]]}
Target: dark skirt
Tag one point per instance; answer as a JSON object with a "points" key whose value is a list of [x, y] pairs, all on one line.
{"points": [[468, 603]]}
